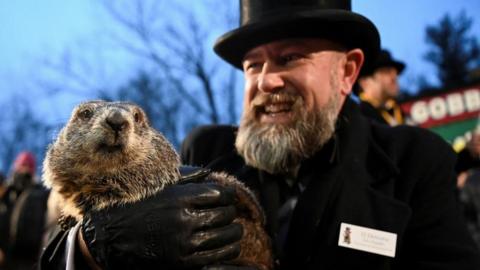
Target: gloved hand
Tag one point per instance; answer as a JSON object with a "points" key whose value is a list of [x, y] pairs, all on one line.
{"points": [[184, 226]]}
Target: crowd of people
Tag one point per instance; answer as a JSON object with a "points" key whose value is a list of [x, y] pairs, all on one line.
{"points": [[343, 182]]}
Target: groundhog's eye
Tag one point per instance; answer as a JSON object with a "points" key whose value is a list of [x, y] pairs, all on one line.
{"points": [[85, 114]]}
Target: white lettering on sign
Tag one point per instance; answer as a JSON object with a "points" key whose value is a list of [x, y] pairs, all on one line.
{"points": [[472, 100], [455, 104], [419, 112], [438, 108]]}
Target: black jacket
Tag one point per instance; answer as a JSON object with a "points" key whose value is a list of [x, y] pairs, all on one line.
{"points": [[22, 225], [399, 180], [466, 161], [371, 112]]}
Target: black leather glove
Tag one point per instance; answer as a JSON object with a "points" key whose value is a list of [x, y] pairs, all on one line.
{"points": [[185, 226]]}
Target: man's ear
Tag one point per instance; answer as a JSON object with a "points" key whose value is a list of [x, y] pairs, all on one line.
{"points": [[352, 66]]}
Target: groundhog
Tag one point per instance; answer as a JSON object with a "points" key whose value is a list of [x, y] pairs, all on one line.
{"points": [[108, 154]]}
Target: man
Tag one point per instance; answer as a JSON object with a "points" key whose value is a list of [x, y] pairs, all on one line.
{"points": [[468, 183], [469, 156], [378, 89], [315, 163], [319, 166]]}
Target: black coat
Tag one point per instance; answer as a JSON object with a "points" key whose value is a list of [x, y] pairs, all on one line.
{"points": [[399, 180], [22, 220], [371, 112], [466, 161]]}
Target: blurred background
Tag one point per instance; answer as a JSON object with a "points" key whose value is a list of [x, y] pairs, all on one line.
{"points": [[158, 53]]}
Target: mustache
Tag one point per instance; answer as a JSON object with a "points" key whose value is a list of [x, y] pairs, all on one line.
{"points": [[282, 96]]}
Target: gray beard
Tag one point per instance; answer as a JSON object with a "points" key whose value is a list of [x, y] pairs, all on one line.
{"points": [[280, 148]]}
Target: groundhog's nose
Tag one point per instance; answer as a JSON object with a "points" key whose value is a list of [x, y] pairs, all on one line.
{"points": [[116, 121]]}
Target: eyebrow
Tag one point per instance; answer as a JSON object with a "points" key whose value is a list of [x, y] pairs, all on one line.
{"points": [[251, 54], [282, 45]]}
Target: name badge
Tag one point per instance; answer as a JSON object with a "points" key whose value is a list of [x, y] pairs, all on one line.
{"points": [[368, 240]]}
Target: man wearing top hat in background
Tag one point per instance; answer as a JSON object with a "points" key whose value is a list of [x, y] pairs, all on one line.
{"points": [[378, 89], [320, 169]]}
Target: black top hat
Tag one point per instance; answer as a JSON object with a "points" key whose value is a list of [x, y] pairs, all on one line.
{"points": [[384, 59], [263, 21]]}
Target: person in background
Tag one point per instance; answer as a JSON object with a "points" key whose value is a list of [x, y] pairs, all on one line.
{"points": [[378, 89], [469, 156], [468, 183], [3, 186], [22, 215]]}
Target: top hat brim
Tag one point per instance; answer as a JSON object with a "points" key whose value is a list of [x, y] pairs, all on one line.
{"points": [[399, 66], [347, 28]]}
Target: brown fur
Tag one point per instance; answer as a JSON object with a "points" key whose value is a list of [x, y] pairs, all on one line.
{"points": [[92, 166], [255, 244]]}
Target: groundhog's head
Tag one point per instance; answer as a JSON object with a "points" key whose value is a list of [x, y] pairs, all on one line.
{"points": [[106, 135], [109, 149]]}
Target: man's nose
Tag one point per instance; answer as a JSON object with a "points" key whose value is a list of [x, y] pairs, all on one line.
{"points": [[270, 80]]}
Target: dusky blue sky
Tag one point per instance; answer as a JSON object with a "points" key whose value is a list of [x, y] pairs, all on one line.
{"points": [[402, 27], [32, 30]]}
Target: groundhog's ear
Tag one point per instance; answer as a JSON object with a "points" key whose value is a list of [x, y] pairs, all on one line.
{"points": [[144, 115], [139, 115]]}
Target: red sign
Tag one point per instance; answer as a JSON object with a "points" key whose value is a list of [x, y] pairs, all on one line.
{"points": [[445, 108]]}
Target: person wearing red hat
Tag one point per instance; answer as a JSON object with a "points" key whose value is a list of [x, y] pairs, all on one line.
{"points": [[317, 165], [23, 174], [25, 162], [22, 215]]}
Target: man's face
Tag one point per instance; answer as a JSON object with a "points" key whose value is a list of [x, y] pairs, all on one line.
{"points": [[386, 78], [302, 67], [293, 93]]}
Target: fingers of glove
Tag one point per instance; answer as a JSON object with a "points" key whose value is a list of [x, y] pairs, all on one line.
{"points": [[216, 238], [214, 217], [228, 252], [206, 195], [228, 267]]}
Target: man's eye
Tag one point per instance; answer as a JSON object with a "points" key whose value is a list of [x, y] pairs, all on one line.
{"points": [[252, 65], [289, 58]]}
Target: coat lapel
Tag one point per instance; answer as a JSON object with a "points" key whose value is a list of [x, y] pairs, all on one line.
{"points": [[358, 190]]}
